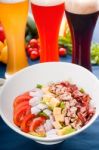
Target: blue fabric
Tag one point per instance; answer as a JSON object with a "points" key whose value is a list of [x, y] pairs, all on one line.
{"points": [[88, 139]]}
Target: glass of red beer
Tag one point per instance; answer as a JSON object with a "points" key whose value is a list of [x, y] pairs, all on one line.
{"points": [[48, 16], [82, 16]]}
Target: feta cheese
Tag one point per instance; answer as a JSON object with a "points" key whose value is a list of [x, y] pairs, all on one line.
{"points": [[36, 94], [59, 118], [47, 112], [57, 111], [35, 110], [54, 102], [34, 101], [42, 106], [57, 125]]}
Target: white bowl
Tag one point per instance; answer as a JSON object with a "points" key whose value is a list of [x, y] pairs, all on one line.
{"points": [[43, 73]]}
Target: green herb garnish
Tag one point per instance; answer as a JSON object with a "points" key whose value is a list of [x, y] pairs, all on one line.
{"points": [[39, 86], [43, 114], [82, 90], [62, 105]]}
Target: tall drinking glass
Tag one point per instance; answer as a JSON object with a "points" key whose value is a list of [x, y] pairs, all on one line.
{"points": [[82, 16], [13, 16], [48, 16]]}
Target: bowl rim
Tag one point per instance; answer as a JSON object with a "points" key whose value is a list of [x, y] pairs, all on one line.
{"points": [[46, 139]]}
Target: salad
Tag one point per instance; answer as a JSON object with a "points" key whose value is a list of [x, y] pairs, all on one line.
{"points": [[56, 109]]}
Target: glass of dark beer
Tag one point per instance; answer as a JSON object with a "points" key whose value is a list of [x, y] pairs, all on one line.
{"points": [[82, 16]]}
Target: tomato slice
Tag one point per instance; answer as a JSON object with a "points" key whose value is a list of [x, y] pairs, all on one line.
{"points": [[21, 98], [20, 105], [20, 114], [36, 123], [25, 125]]}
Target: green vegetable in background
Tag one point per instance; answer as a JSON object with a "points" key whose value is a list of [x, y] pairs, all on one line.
{"points": [[31, 30], [66, 42], [95, 53]]}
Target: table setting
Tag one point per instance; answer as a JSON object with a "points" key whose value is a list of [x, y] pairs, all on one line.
{"points": [[49, 57]]}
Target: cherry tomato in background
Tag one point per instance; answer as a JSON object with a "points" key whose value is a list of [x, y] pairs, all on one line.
{"points": [[29, 51], [33, 43], [62, 51], [34, 55]]}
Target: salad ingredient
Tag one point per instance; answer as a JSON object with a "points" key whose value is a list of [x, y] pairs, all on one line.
{"points": [[57, 125], [43, 114], [37, 122], [51, 133], [48, 125], [41, 134], [39, 86], [20, 99], [56, 109], [34, 101], [20, 105], [20, 114], [65, 130], [25, 125], [35, 110]]}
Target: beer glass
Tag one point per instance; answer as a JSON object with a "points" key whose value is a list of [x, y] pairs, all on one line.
{"points": [[48, 16], [13, 16], [82, 16]]}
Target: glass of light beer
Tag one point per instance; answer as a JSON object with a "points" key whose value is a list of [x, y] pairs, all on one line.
{"points": [[13, 16], [82, 16], [48, 16]]}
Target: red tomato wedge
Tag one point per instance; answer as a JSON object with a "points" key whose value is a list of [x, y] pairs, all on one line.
{"points": [[20, 114], [25, 125], [36, 123], [20, 105], [20, 99]]}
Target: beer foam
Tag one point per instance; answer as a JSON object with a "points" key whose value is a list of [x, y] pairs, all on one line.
{"points": [[82, 6], [47, 2], [11, 1]]}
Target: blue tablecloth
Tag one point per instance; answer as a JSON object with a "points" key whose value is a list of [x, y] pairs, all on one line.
{"points": [[88, 139]]}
